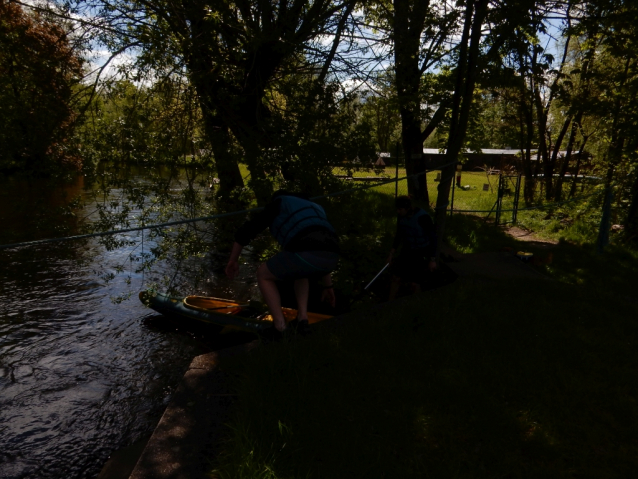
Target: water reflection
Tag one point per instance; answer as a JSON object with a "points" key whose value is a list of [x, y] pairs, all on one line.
{"points": [[80, 376]]}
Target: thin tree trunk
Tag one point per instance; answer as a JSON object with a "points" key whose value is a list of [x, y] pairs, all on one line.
{"points": [[581, 149], [226, 164], [631, 220], [408, 26], [527, 132], [558, 193], [464, 89]]}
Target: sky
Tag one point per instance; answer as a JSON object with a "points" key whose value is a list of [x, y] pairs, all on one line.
{"points": [[368, 49]]}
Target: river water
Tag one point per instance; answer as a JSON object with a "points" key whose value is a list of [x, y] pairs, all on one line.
{"points": [[81, 375]]}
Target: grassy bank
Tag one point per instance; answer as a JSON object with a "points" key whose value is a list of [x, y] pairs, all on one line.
{"points": [[521, 378]]}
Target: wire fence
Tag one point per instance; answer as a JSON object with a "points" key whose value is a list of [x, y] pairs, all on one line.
{"points": [[476, 192], [485, 192], [489, 191]]}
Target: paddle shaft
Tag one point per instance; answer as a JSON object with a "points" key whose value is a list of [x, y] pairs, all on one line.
{"points": [[378, 274]]}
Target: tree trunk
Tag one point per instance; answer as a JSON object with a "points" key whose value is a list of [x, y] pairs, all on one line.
{"points": [[227, 167], [558, 193], [408, 26], [581, 149], [463, 92], [631, 221], [258, 181], [527, 125], [543, 151]]}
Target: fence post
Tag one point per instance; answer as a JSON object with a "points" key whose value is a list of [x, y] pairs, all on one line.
{"points": [[396, 173], [516, 199], [605, 221], [452, 199], [499, 199]]}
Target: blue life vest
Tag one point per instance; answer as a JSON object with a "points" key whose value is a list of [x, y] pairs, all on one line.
{"points": [[297, 214], [413, 234]]}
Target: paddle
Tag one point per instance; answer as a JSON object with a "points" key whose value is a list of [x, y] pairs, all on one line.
{"points": [[378, 274], [365, 290]]}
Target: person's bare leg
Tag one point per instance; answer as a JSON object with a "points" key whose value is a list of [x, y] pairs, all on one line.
{"points": [[302, 288], [416, 288], [268, 287], [395, 282]]}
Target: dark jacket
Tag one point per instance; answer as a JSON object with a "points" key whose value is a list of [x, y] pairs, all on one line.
{"points": [[416, 234]]}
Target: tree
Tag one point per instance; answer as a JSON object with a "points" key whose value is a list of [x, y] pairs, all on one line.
{"points": [[232, 53], [465, 80], [38, 72], [419, 32], [143, 125], [381, 110], [616, 101]]}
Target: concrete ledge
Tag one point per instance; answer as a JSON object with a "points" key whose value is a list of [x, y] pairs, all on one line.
{"points": [[183, 442]]}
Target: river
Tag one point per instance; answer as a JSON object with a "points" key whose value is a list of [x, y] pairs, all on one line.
{"points": [[82, 375]]}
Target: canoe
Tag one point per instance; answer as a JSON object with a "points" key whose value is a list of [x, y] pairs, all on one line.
{"points": [[225, 314]]}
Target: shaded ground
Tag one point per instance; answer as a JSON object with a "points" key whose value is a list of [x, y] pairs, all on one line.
{"points": [[519, 378], [500, 265], [490, 275], [180, 437]]}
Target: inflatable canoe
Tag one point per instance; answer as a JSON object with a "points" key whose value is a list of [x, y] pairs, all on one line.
{"points": [[226, 314]]}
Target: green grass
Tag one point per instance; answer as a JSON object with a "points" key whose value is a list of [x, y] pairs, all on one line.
{"points": [[473, 198], [574, 262]]}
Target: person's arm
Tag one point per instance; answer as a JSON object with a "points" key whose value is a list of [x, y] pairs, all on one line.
{"points": [[251, 228], [328, 294], [247, 232], [232, 268]]}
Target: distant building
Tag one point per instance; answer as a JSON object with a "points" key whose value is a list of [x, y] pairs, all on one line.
{"points": [[498, 159]]}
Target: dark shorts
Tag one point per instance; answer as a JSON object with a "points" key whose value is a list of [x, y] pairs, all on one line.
{"points": [[411, 267], [305, 264]]}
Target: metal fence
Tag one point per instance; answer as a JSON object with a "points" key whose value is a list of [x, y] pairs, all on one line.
{"points": [[483, 193], [488, 192]]}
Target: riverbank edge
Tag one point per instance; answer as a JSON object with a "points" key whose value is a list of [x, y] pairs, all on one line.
{"points": [[181, 444]]}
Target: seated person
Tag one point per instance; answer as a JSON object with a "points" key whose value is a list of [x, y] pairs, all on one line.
{"points": [[417, 239]]}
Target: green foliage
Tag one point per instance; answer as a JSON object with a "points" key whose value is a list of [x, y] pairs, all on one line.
{"points": [[144, 125], [366, 223], [39, 71], [380, 110], [313, 137], [490, 124]]}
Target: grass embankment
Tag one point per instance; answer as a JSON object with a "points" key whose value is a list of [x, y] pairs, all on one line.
{"points": [[522, 378]]}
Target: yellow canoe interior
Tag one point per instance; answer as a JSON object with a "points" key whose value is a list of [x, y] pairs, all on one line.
{"points": [[225, 306]]}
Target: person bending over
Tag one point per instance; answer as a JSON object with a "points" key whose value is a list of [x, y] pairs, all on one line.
{"points": [[310, 249], [416, 239]]}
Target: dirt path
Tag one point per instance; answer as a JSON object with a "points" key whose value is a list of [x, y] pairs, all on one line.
{"points": [[504, 264], [525, 235]]}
